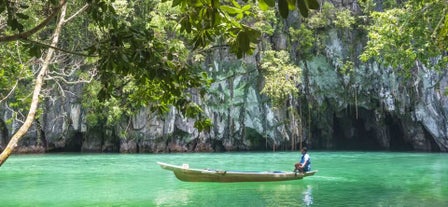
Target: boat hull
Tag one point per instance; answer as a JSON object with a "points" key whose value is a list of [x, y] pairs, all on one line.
{"points": [[187, 174]]}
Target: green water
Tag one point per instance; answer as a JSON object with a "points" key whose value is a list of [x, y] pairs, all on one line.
{"points": [[344, 179]]}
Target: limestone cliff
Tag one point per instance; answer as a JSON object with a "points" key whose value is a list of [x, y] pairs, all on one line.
{"points": [[369, 108]]}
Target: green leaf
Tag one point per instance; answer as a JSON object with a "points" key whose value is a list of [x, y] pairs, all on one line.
{"points": [[253, 34], [176, 2], [243, 41], [203, 12], [216, 3], [54, 2], [270, 3], [302, 8], [2, 6], [15, 25], [312, 4], [186, 25], [209, 36], [23, 6], [231, 10], [197, 4], [203, 124], [246, 7], [283, 8], [236, 4], [291, 4], [263, 5], [197, 42], [124, 58], [22, 16]]}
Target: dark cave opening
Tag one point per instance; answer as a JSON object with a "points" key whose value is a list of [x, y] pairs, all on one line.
{"points": [[351, 133], [3, 135], [396, 134], [75, 143]]}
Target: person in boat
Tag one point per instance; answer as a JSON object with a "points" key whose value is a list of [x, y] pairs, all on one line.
{"points": [[305, 162]]}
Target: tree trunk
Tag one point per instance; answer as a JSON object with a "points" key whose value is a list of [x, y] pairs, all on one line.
{"points": [[37, 88]]}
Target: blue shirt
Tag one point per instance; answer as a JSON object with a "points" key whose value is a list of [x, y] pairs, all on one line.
{"points": [[306, 158]]}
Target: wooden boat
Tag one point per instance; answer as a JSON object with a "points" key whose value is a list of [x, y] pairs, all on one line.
{"points": [[185, 173]]}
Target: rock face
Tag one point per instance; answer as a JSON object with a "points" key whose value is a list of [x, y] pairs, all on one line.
{"points": [[369, 109], [373, 108]]}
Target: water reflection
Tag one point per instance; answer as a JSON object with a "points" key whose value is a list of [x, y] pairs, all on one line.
{"points": [[172, 198], [307, 196], [281, 194], [236, 194]]}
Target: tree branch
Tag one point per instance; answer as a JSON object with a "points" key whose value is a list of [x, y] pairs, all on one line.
{"points": [[76, 13], [10, 92], [69, 82], [59, 49], [13, 142], [28, 33]]}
